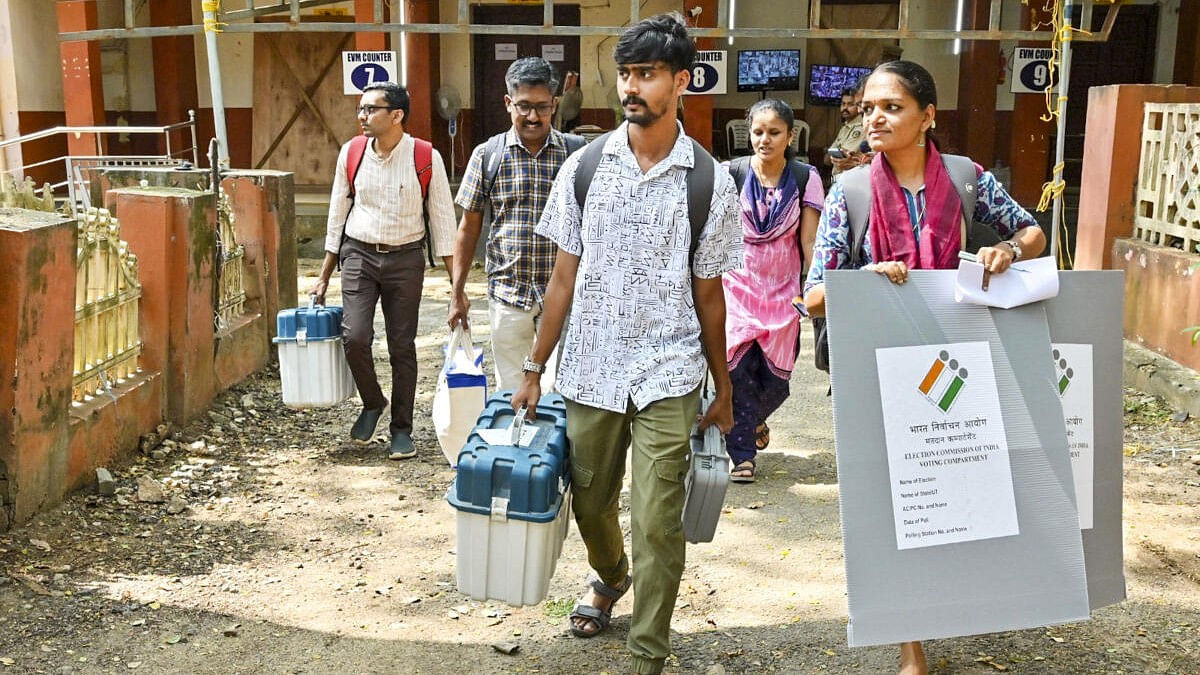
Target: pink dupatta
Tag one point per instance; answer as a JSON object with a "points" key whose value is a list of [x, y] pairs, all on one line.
{"points": [[891, 229]]}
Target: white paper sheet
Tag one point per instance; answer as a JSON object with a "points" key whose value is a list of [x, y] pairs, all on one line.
{"points": [[1073, 371], [946, 446], [504, 436], [1028, 281]]}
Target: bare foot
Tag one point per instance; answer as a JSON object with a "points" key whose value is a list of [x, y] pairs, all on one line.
{"points": [[594, 599], [912, 659]]}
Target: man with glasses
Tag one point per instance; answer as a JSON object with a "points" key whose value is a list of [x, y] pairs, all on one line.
{"points": [[510, 176], [378, 210]]}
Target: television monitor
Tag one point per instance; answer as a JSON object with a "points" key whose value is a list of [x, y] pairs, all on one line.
{"points": [[826, 82], [768, 70]]}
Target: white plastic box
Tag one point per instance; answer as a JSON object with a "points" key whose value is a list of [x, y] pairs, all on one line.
{"points": [[706, 482], [507, 559], [312, 364]]}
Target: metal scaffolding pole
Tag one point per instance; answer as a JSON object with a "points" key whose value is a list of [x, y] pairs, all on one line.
{"points": [[1060, 140], [211, 28]]}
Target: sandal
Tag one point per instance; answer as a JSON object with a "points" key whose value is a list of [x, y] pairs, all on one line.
{"points": [[762, 436], [597, 617], [746, 469]]}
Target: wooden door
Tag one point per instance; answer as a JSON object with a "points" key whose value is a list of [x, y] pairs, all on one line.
{"points": [[301, 116], [493, 54]]}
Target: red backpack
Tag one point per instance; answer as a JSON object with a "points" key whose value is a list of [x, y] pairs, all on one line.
{"points": [[422, 160]]}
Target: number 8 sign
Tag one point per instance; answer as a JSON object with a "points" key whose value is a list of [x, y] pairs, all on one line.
{"points": [[708, 73]]}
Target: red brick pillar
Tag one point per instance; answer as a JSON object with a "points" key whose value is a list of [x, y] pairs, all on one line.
{"points": [[83, 86], [364, 12], [423, 59], [698, 109], [1112, 147], [37, 347], [174, 241], [175, 90], [979, 67], [1030, 136]]}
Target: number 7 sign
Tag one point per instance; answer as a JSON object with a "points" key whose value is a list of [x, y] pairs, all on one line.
{"points": [[362, 68]]}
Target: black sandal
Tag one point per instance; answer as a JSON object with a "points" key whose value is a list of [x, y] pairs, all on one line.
{"points": [[742, 467], [598, 617], [762, 436]]}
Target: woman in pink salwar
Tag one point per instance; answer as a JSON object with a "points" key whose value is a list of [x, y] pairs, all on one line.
{"points": [[780, 201]]}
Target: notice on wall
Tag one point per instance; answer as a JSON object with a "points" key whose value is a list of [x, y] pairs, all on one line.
{"points": [[1073, 377], [506, 51], [946, 446], [553, 52]]}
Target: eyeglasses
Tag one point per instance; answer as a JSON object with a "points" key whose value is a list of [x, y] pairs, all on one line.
{"points": [[369, 110], [542, 109]]}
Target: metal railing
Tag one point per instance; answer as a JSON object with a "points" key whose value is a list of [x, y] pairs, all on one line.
{"points": [[107, 294], [71, 182], [1167, 210], [231, 299]]}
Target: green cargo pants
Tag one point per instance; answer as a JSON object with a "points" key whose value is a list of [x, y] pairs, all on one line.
{"points": [[659, 437]]}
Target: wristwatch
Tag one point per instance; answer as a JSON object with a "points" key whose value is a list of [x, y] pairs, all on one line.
{"points": [[1014, 247], [531, 366]]}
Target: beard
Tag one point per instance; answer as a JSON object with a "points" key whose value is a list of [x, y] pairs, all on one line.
{"points": [[644, 118]]}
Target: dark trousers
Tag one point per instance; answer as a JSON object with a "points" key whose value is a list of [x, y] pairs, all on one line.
{"points": [[396, 278], [757, 392]]}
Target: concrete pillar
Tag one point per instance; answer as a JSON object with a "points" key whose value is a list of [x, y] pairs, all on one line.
{"points": [[265, 215], [698, 109], [83, 86], [37, 254], [174, 241], [1112, 147]]}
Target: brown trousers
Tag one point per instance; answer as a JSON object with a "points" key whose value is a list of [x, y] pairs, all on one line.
{"points": [[396, 278]]}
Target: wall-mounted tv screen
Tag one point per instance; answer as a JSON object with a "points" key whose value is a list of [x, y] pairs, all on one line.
{"points": [[768, 70], [826, 82]]}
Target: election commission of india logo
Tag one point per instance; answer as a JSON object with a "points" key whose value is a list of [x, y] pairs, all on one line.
{"points": [[1064, 372], [943, 382]]}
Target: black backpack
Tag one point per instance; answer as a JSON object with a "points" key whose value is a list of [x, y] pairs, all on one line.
{"points": [[700, 181], [493, 153]]}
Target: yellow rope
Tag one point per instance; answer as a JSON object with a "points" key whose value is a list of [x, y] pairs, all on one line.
{"points": [[212, 25]]}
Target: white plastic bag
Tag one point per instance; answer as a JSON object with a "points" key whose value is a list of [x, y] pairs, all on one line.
{"points": [[461, 394]]}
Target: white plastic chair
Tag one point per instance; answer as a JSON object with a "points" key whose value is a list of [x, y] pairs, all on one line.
{"points": [[800, 140], [737, 137]]}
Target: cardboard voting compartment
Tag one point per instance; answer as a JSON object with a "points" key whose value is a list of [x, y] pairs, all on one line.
{"points": [[1085, 318], [958, 504]]}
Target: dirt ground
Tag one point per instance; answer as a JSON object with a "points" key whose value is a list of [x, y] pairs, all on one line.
{"points": [[284, 548]]}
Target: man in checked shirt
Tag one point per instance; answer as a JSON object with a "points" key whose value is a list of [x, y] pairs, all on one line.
{"points": [[511, 175]]}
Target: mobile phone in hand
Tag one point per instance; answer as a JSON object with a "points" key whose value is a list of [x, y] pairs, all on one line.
{"points": [[836, 153]]}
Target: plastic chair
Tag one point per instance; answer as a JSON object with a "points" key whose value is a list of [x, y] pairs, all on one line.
{"points": [[800, 140], [737, 137]]}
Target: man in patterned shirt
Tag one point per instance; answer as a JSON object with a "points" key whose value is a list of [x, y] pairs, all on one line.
{"points": [[528, 157], [647, 318]]}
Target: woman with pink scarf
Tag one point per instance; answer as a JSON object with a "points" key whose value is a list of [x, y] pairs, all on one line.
{"points": [[915, 219], [779, 222]]}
